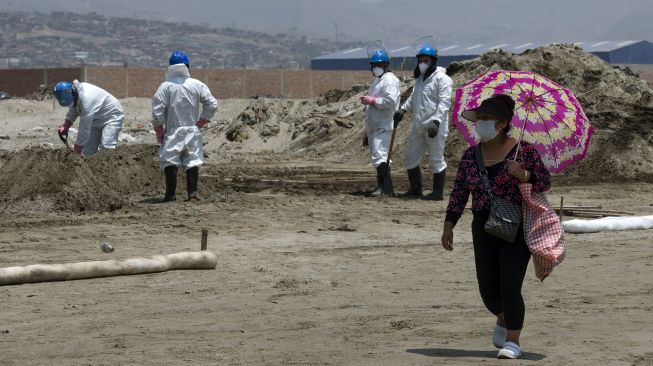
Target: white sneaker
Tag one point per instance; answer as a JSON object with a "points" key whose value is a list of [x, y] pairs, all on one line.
{"points": [[499, 336], [510, 350]]}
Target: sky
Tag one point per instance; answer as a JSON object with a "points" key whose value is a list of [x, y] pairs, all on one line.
{"points": [[397, 22]]}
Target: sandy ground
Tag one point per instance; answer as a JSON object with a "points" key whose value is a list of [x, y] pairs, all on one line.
{"points": [[308, 274]]}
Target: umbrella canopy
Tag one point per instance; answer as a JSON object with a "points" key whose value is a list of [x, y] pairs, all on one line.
{"points": [[546, 114]]}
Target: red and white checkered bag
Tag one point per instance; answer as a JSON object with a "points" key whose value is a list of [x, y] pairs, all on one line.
{"points": [[542, 231]]}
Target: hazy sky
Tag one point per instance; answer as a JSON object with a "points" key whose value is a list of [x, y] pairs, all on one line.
{"points": [[395, 21]]}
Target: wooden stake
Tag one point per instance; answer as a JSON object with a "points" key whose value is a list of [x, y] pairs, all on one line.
{"points": [[205, 235], [583, 207], [562, 207]]}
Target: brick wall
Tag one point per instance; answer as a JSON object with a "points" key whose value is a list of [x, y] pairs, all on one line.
{"points": [[224, 84], [21, 82], [112, 79], [125, 82], [144, 82]]}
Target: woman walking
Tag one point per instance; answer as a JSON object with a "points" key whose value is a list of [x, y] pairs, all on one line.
{"points": [[500, 265]]}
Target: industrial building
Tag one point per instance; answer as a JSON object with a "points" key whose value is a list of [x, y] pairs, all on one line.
{"points": [[403, 58]]}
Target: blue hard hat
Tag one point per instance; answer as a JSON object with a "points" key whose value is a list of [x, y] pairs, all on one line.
{"points": [[427, 50], [63, 91], [379, 56], [178, 57]]}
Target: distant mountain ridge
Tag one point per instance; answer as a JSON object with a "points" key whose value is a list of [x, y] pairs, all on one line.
{"points": [[398, 21], [37, 39]]}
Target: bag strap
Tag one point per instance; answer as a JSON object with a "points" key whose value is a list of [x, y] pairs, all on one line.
{"points": [[481, 168]]}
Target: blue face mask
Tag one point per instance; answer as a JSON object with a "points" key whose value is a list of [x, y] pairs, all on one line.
{"points": [[486, 129]]}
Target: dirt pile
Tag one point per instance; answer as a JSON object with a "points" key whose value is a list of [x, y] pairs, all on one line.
{"points": [[326, 128], [600, 86], [337, 95], [618, 103], [44, 93], [45, 180], [304, 128]]}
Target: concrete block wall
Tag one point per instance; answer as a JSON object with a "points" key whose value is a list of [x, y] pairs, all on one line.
{"points": [[224, 84], [235, 83], [21, 82], [111, 79]]}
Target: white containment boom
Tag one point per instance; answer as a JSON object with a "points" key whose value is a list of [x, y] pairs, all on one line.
{"points": [[608, 224], [77, 271]]}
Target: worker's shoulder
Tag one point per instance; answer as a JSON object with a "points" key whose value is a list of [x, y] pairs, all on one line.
{"points": [[194, 82], [88, 89], [441, 74], [188, 83], [197, 85], [391, 78]]}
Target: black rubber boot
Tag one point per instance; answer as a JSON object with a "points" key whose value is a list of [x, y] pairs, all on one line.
{"points": [[415, 180], [384, 181], [171, 183], [376, 191], [192, 175], [438, 187]]}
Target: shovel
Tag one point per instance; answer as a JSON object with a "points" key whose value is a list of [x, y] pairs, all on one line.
{"points": [[64, 139]]}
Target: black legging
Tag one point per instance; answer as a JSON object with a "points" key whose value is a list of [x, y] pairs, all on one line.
{"points": [[500, 270]]}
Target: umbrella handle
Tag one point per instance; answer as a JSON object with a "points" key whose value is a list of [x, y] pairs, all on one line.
{"points": [[519, 142], [517, 151]]}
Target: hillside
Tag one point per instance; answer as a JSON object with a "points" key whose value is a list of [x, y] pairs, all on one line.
{"points": [[44, 40], [394, 21]]}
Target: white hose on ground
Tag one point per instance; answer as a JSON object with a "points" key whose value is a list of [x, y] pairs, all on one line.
{"points": [[82, 270], [608, 224]]}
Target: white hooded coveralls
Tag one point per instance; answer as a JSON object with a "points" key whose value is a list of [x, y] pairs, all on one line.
{"points": [[176, 106], [100, 118], [379, 117], [430, 100]]}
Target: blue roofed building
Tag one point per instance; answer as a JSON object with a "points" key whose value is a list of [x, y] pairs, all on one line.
{"points": [[403, 58]]}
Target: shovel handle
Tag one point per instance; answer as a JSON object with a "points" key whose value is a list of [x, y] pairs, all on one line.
{"points": [[392, 142]]}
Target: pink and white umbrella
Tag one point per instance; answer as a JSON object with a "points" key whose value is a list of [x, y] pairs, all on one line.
{"points": [[546, 114]]}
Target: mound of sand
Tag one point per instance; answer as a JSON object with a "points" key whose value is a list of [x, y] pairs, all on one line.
{"points": [[618, 103], [45, 180], [328, 127], [304, 128], [599, 85]]}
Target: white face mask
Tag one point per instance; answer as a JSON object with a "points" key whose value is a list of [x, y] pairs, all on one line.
{"points": [[377, 71], [486, 129], [423, 67]]}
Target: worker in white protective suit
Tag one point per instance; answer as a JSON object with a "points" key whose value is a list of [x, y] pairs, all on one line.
{"points": [[429, 102], [100, 116], [177, 121], [381, 102]]}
